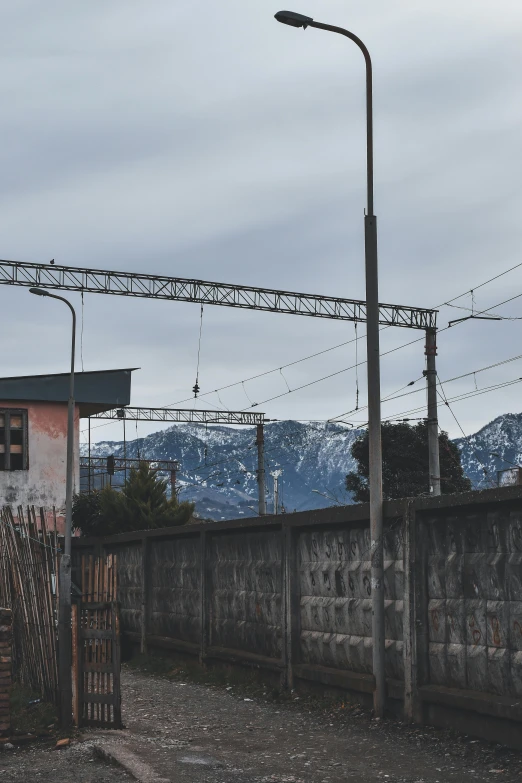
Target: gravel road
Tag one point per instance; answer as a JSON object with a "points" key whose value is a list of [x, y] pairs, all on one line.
{"points": [[186, 732], [210, 734]]}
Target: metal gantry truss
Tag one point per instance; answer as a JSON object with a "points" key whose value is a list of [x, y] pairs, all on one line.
{"points": [[101, 281], [95, 472], [124, 463], [187, 416], [190, 416]]}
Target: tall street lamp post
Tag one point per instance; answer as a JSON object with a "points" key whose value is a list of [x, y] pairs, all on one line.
{"points": [[374, 391], [64, 609]]}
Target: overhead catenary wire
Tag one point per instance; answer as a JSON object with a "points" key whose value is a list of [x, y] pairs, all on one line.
{"points": [[327, 377], [479, 313], [357, 338], [387, 398], [278, 449], [457, 398], [480, 285], [346, 369], [442, 395], [255, 377], [395, 395]]}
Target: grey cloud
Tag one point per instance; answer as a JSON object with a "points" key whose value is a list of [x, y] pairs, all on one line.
{"points": [[206, 141]]}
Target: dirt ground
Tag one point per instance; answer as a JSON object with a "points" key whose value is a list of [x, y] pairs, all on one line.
{"points": [[186, 732], [41, 763], [216, 734]]}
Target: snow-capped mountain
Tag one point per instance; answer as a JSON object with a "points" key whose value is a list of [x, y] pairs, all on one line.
{"points": [[218, 464], [502, 437]]}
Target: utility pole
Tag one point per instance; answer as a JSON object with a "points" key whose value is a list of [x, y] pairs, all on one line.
{"points": [[260, 442], [433, 423]]}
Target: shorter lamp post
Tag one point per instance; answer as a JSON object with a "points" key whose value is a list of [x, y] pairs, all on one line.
{"points": [[64, 609]]}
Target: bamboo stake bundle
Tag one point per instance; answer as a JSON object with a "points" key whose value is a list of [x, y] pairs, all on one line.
{"points": [[28, 569]]}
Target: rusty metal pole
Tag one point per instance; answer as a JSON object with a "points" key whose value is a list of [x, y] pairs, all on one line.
{"points": [[433, 422], [374, 384], [260, 442]]}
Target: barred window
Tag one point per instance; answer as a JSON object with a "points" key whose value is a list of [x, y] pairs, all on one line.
{"points": [[13, 439]]}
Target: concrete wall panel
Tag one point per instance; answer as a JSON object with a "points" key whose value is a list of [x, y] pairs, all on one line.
{"points": [[175, 596], [335, 598], [130, 577], [298, 591], [474, 610], [245, 592]]}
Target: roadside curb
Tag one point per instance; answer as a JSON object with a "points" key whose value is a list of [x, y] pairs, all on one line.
{"points": [[127, 760]]}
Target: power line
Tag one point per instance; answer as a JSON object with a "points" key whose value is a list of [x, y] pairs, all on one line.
{"points": [[388, 398], [442, 395], [457, 398], [404, 345], [327, 350], [396, 396], [259, 375], [486, 282]]}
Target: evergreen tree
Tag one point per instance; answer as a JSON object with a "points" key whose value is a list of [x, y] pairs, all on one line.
{"points": [[142, 504], [405, 464], [86, 514]]}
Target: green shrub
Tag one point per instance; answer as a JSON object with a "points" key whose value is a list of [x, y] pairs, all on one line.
{"points": [[142, 504]]}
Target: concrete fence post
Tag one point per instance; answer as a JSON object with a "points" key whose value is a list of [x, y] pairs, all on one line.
{"points": [[410, 637], [290, 602], [285, 610], [6, 635], [415, 611], [145, 593], [421, 608], [204, 595]]}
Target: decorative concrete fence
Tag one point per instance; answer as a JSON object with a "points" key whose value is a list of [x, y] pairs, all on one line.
{"points": [[291, 594], [5, 671]]}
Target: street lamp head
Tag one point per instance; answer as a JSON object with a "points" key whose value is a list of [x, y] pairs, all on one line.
{"points": [[38, 292], [293, 19]]}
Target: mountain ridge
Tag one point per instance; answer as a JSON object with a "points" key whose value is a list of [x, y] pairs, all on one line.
{"points": [[218, 464]]}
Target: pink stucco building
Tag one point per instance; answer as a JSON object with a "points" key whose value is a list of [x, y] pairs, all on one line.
{"points": [[33, 431]]}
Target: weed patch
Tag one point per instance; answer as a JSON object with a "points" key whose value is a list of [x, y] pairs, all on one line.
{"points": [[30, 718]]}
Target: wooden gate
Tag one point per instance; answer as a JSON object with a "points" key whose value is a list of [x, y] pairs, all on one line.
{"points": [[96, 646]]}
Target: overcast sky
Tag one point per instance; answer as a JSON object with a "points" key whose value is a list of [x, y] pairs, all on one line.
{"points": [[205, 140]]}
